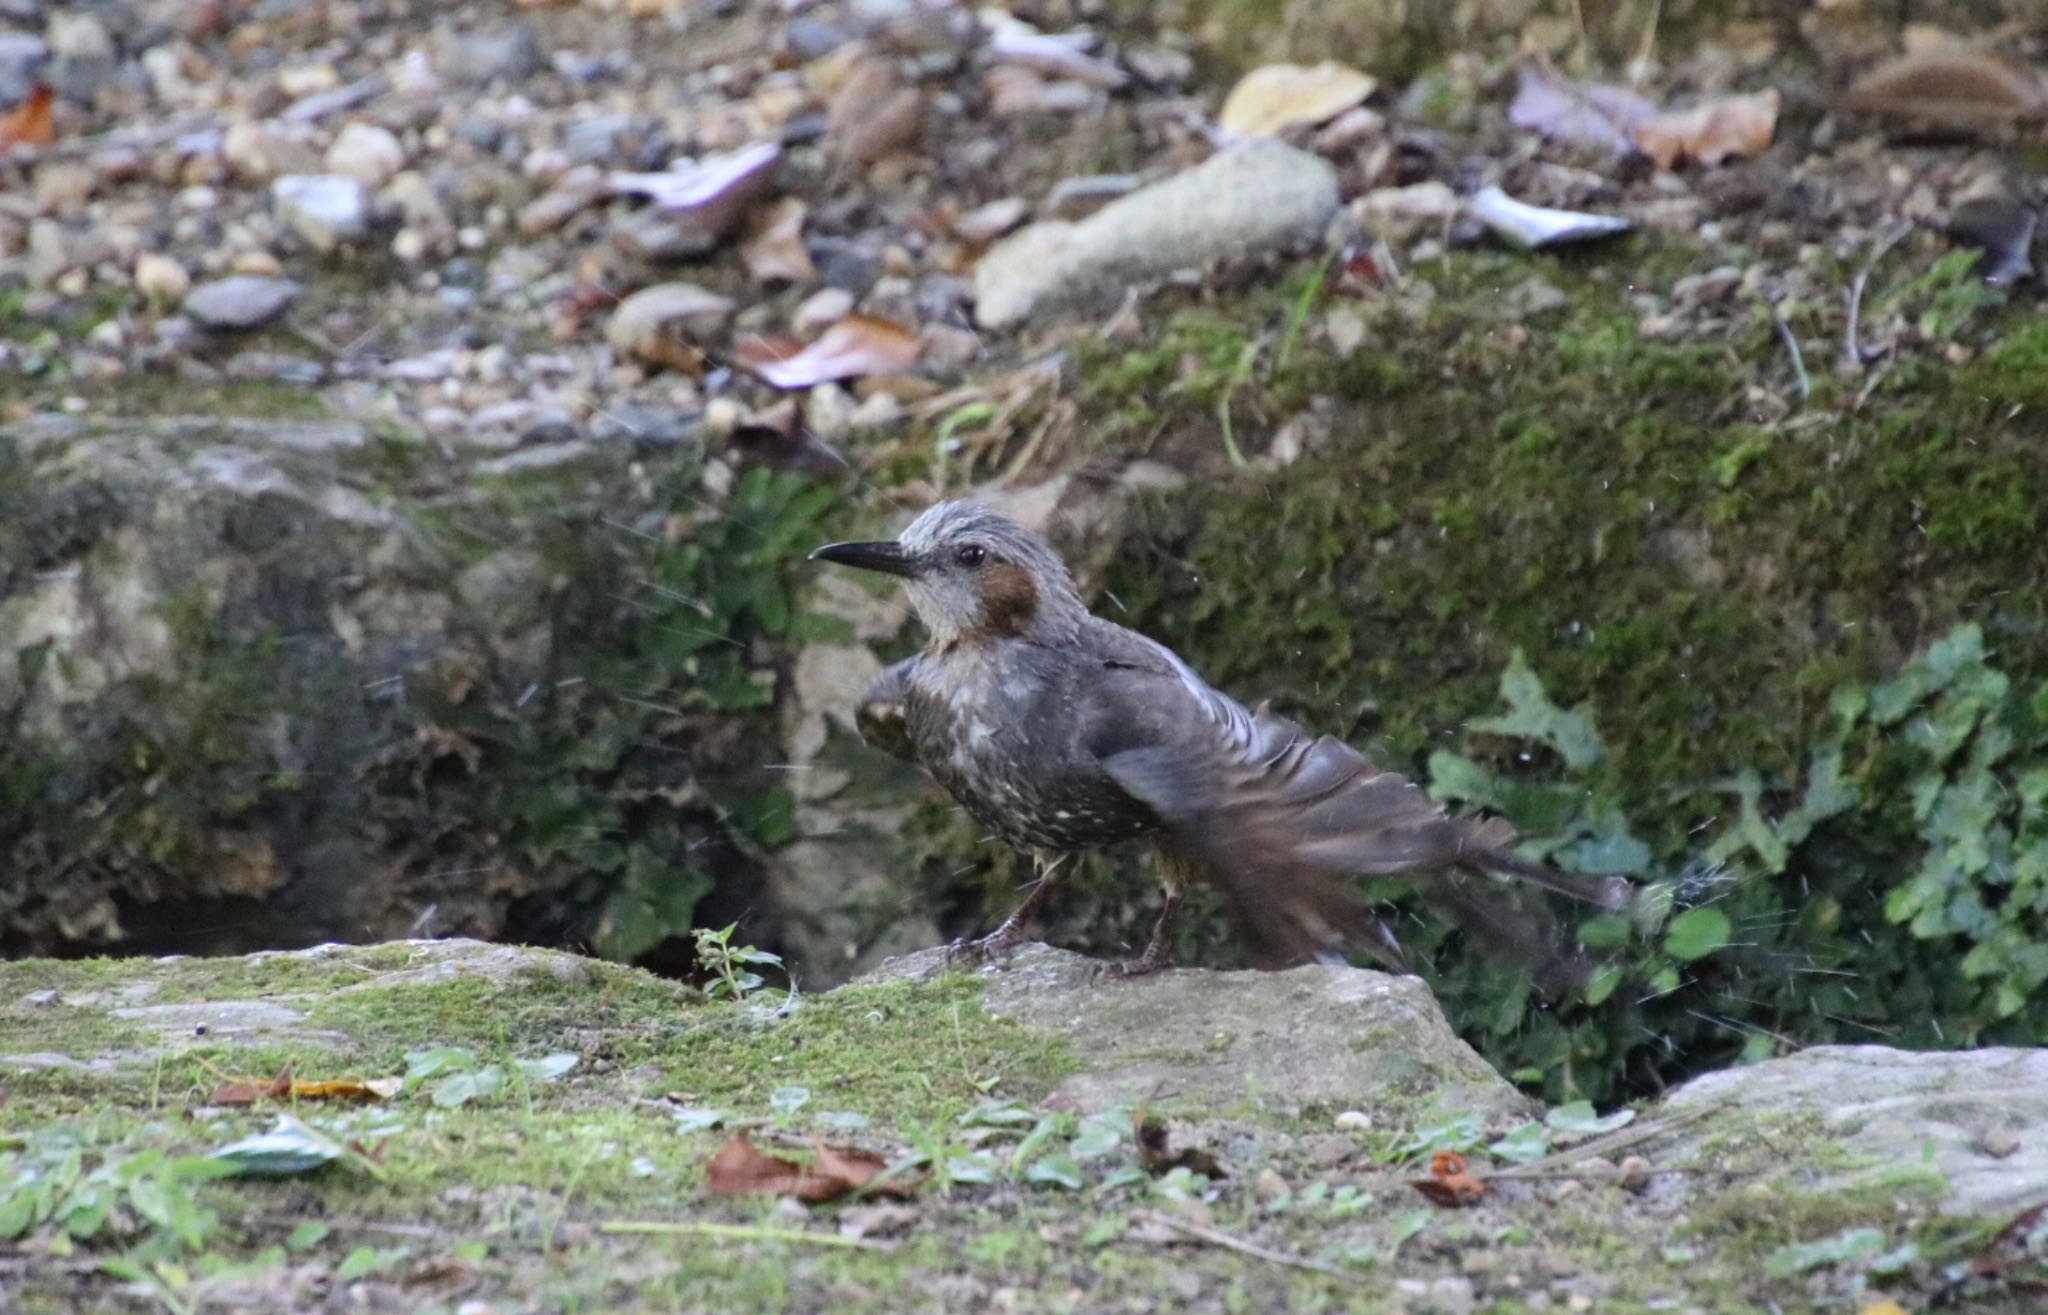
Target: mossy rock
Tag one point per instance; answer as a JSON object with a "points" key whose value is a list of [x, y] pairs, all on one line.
{"points": [[550, 1151]]}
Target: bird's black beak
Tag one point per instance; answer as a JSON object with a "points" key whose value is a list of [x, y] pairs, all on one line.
{"points": [[886, 556]]}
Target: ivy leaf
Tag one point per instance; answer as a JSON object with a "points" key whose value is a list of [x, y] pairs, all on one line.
{"points": [[786, 1101], [289, 1148], [459, 1089], [1856, 1244], [548, 1067], [1696, 933], [1606, 932], [1531, 715], [1602, 983], [697, 1118], [1058, 1169], [1578, 1119], [1529, 1142]]}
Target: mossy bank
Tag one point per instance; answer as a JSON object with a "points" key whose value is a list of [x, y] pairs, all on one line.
{"points": [[547, 1154]]}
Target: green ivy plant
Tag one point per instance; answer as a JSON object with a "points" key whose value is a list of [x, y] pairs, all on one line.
{"points": [[1762, 931]]}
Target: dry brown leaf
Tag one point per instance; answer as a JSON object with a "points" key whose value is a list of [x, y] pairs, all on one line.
{"points": [[1581, 113], [1448, 1183], [873, 112], [348, 1089], [247, 1091], [714, 192], [1952, 86], [774, 250], [742, 1169], [1277, 97], [28, 124], [1062, 55], [856, 345], [1014, 91], [1724, 128]]}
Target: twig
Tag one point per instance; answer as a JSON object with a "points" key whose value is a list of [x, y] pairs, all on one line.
{"points": [[1648, 1130], [1852, 349], [741, 1233], [1217, 1237], [1792, 346]]}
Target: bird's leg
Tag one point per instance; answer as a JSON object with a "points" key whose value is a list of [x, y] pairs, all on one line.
{"points": [[1155, 956], [1011, 929]]}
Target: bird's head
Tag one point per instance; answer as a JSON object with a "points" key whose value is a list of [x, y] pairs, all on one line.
{"points": [[973, 575]]}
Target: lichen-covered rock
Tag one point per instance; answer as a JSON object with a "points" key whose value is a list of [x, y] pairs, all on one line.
{"points": [[1307, 1037], [1974, 1117], [265, 681]]}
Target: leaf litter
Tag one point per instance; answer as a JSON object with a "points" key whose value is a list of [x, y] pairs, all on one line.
{"points": [[740, 1168]]}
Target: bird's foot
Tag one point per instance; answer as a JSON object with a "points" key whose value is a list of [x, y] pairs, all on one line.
{"points": [[965, 953], [1143, 966]]}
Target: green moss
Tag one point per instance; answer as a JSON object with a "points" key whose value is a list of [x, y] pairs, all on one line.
{"points": [[1606, 503], [514, 1192]]}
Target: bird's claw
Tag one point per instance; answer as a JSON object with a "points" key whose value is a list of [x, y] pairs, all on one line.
{"points": [[979, 951], [1124, 969]]}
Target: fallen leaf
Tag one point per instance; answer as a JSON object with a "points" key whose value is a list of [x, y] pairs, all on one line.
{"points": [[873, 113], [774, 249], [289, 1148], [1277, 97], [742, 1169], [1711, 132], [856, 345], [1014, 91], [664, 324], [1448, 1183], [1952, 87], [986, 223], [1533, 226], [1584, 114], [28, 124], [1063, 55], [713, 193]]}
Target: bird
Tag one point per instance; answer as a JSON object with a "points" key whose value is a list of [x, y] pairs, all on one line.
{"points": [[1063, 732]]}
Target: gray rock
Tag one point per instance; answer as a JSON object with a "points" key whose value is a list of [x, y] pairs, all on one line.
{"points": [[596, 140], [324, 209], [655, 324], [649, 426], [241, 301], [55, 249], [1341, 1037], [1257, 197], [366, 152], [1905, 1109], [20, 54], [82, 56], [508, 53]]}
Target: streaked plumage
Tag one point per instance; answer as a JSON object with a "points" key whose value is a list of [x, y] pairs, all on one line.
{"points": [[1062, 732]]}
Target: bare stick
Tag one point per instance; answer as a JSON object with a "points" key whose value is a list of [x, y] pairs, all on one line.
{"points": [[741, 1233], [1792, 346], [1852, 348], [1217, 1237], [1648, 1130]]}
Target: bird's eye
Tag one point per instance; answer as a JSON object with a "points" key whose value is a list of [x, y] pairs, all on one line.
{"points": [[969, 554]]}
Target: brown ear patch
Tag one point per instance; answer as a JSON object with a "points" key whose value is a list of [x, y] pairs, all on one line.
{"points": [[1009, 599]]}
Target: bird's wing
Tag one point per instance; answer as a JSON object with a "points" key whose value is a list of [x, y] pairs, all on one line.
{"points": [[880, 714], [1278, 818]]}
